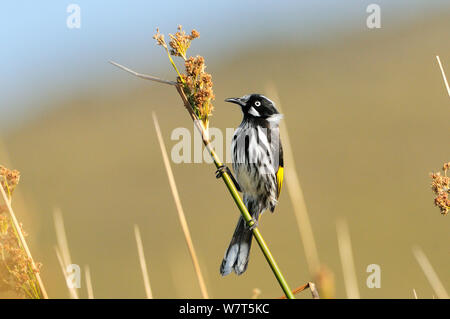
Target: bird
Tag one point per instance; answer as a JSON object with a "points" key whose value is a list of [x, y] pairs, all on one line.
{"points": [[257, 161]]}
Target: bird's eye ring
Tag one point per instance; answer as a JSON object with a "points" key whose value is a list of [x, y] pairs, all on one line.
{"points": [[257, 103]]}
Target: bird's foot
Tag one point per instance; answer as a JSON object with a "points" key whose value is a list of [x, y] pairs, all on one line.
{"points": [[252, 224], [222, 169]]}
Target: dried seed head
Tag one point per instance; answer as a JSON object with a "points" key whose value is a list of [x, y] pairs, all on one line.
{"points": [[446, 167], [160, 39], [180, 42], [16, 270], [194, 34], [9, 179], [440, 185], [197, 84]]}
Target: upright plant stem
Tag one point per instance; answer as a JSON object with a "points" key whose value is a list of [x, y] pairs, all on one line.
{"points": [[227, 180]]}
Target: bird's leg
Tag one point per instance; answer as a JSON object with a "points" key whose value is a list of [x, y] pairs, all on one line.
{"points": [[224, 169]]}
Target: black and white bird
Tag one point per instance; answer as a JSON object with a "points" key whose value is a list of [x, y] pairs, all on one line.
{"points": [[257, 157]]}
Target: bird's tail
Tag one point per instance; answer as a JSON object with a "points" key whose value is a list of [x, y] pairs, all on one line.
{"points": [[237, 254]]}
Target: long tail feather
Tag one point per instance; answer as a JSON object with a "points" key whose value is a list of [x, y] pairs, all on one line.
{"points": [[238, 252]]}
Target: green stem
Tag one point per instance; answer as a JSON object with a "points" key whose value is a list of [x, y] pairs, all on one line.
{"points": [[175, 66], [238, 200], [256, 233]]}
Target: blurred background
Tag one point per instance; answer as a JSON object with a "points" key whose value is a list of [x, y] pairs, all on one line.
{"points": [[366, 110]]}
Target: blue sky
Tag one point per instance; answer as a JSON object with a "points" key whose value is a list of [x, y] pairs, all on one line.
{"points": [[40, 56]]}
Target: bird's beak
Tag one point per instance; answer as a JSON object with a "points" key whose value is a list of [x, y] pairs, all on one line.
{"points": [[235, 100]]}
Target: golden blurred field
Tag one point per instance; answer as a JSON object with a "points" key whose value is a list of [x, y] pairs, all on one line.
{"points": [[368, 117]]}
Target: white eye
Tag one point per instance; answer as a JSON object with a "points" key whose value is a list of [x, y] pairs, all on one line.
{"points": [[257, 103]]}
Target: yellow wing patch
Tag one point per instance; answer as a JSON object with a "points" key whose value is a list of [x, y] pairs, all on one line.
{"points": [[279, 180]]}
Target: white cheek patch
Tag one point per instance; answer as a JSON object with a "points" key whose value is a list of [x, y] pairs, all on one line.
{"points": [[275, 118], [254, 112]]}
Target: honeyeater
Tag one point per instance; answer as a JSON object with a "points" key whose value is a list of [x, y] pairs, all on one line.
{"points": [[257, 157]]}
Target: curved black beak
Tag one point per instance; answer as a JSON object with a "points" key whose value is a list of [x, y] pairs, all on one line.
{"points": [[235, 100]]}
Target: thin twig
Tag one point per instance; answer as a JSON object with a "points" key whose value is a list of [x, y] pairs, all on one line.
{"points": [[415, 294], [140, 247], [181, 216], [143, 76], [89, 289], [429, 272], [296, 194], [443, 74], [310, 285], [348, 265], [23, 242]]}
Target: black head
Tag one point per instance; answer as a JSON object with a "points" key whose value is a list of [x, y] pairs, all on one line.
{"points": [[256, 106]]}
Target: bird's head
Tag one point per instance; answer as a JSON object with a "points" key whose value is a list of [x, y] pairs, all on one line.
{"points": [[257, 106]]}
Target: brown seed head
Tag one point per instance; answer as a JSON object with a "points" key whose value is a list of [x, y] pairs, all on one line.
{"points": [[197, 84], [9, 179], [440, 185], [160, 39]]}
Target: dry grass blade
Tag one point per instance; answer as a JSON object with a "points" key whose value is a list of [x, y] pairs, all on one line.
{"points": [[296, 194], [429, 272], [443, 74], [61, 237], [348, 265], [415, 294], [89, 289], [72, 291], [181, 216], [63, 248], [140, 247]]}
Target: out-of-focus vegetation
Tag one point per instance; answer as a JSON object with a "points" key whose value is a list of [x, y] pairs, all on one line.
{"points": [[368, 118]]}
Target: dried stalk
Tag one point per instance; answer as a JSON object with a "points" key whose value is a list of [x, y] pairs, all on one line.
{"points": [[348, 265], [429, 272], [62, 250], [296, 194], [90, 291], [140, 247], [443, 74], [181, 215]]}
